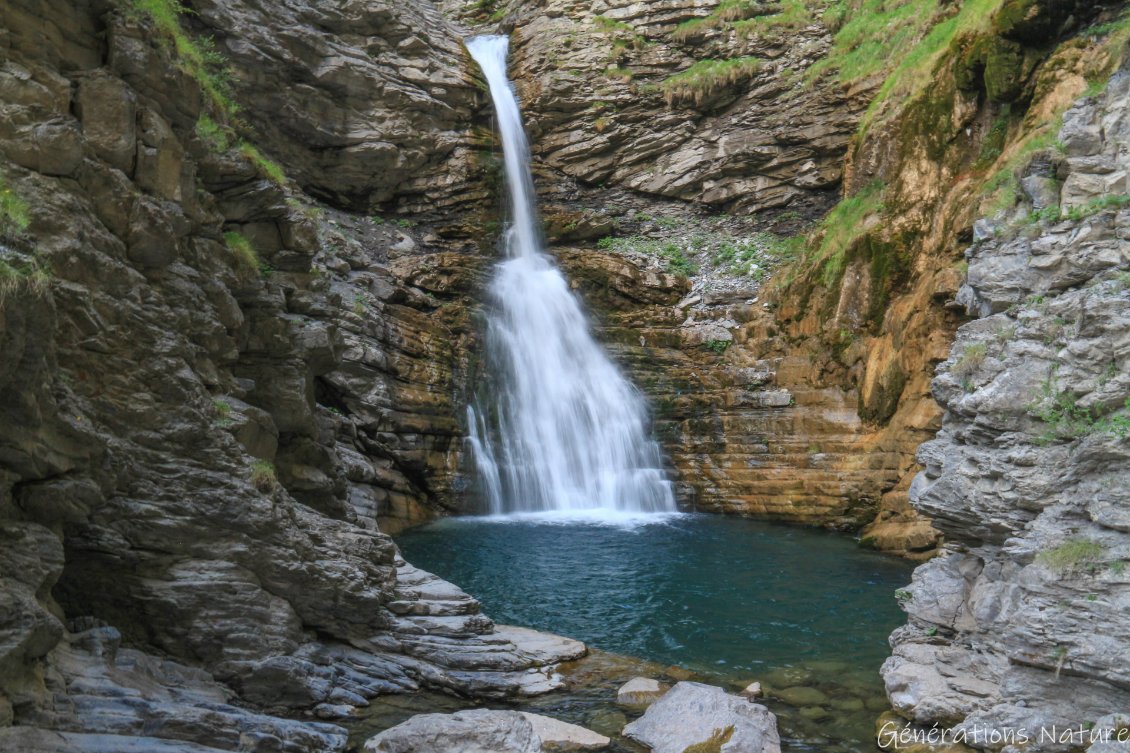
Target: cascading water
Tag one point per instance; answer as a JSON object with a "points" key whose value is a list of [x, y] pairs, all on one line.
{"points": [[565, 431]]}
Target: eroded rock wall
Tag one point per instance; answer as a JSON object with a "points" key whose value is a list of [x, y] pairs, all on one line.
{"points": [[197, 443], [1020, 623]]}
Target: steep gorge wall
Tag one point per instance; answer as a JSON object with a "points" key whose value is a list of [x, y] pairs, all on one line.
{"points": [[1019, 626], [211, 392]]}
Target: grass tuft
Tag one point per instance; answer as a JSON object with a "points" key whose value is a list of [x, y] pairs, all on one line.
{"points": [[1073, 555], [706, 77], [263, 476]]}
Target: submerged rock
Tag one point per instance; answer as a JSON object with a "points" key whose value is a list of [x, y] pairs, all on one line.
{"points": [[693, 714], [640, 691], [561, 737]]}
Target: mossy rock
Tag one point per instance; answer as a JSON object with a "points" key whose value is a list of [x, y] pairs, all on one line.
{"points": [[884, 399], [1004, 71], [1032, 22]]}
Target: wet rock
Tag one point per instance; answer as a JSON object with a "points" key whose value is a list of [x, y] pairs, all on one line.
{"points": [[802, 696], [640, 691], [693, 714], [753, 690], [475, 731], [1015, 625], [561, 737]]}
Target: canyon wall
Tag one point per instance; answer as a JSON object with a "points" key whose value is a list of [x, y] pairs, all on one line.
{"points": [[1020, 623], [211, 391]]}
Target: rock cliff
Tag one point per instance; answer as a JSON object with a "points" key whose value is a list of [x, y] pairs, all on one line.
{"points": [[1019, 624], [211, 390]]}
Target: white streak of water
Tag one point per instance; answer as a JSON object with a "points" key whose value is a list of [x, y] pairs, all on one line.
{"points": [[566, 433]]}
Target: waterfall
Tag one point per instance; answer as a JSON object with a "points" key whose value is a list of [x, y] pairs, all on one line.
{"points": [[565, 431]]}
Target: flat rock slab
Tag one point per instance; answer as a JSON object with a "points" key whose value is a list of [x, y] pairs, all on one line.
{"points": [[640, 691], [485, 731], [692, 713], [561, 737], [474, 731]]}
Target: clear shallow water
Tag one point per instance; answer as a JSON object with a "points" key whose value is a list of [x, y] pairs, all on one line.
{"points": [[730, 600]]}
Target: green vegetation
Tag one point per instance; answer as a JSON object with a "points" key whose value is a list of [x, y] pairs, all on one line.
{"points": [[222, 409], [718, 346], [200, 59], [28, 275], [972, 357], [267, 168], [242, 250], [674, 258], [19, 269], [687, 243], [1073, 555], [624, 34], [217, 136], [749, 18], [790, 15], [840, 229], [1066, 419], [706, 77], [376, 219], [14, 216], [1094, 206], [263, 475]]}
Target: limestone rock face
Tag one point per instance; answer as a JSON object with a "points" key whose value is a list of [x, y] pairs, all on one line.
{"points": [[364, 102], [749, 427], [196, 448], [1021, 622], [592, 84], [693, 714]]}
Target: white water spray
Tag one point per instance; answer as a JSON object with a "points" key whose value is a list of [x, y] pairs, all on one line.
{"points": [[566, 432]]}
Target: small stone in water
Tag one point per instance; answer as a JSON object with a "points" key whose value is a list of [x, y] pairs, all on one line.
{"points": [[640, 691], [753, 690]]}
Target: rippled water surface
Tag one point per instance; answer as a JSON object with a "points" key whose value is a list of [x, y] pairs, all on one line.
{"points": [[729, 600]]}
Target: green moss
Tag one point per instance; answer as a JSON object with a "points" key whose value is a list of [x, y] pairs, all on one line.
{"points": [[843, 227], [1004, 70], [916, 64], [14, 215], [884, 399], [706, 77]]}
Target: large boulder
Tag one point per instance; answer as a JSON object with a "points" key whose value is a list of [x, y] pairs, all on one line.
{"points": [[474, 731], [484, 731], [693, 714]]}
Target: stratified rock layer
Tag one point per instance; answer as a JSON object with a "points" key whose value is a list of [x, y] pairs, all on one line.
{"points": [[196, 447], [1021, 622]]}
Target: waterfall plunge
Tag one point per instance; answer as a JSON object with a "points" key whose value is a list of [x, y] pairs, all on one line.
{"points": [[565, 433]]}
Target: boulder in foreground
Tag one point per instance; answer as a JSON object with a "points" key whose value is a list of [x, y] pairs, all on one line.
{"points": [[693, 714]]}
